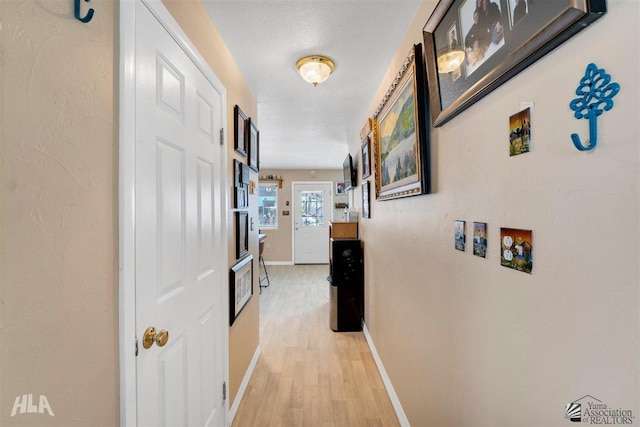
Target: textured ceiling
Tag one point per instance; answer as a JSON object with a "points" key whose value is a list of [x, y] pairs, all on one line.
{"points": [[301, 126]]}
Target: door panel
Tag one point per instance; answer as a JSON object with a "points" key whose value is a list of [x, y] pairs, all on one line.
{"points": [[172, 362], [179, 279], [170, 232], [205, 218]]}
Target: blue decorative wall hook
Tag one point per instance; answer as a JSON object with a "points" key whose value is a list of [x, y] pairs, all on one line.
{"points": [[595, 96], [76, 11]]}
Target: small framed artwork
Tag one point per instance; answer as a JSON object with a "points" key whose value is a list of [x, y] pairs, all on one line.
{"points": [[480, 239], [365, 200], [520, 132], [366, 158], [516, 249], [459, 236], [242, 234], [254, 146], [240, 185], [240, 287], [340, 188], [240, 131]]}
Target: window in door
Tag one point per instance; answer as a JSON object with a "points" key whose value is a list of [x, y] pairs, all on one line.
{"points": [[312, 208], [268, 205]]}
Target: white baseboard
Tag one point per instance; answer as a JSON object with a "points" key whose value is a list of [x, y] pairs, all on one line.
{"points": [[402, 417], [243, 386], [279, 262]]}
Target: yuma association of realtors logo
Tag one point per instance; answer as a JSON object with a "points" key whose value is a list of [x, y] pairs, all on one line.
{"points": [[25, 405], [593, 411]]}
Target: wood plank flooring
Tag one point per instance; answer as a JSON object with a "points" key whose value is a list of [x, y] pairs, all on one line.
{"points": [[307, 374]]}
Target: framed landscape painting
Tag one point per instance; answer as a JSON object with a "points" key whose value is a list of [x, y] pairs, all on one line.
{"points": [[401, 134]]}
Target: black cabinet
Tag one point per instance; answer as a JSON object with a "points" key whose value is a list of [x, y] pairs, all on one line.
{"points": [[346, 280]]}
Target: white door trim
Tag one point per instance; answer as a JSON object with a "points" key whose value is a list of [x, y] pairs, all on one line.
{"points": [[295, 206], [126, 233]]}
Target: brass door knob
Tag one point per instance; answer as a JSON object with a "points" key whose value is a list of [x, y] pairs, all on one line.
{"points": [[151, 336]]}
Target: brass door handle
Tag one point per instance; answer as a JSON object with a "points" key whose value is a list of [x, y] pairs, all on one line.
{"points": [[151, 336]]}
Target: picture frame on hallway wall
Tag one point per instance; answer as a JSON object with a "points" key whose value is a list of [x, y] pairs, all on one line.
{"points": [[365, 154], [460, 237], [242, 234], [366, 213], [240, 287], [240, 184], [240, 143], [254, 145], [402, 133], [516, 34]]}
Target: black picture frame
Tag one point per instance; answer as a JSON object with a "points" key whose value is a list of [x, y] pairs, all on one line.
{"points": [[240, 185], [365, 154], [506, 49], [401, 146], [254, 145], [242, 234], [240, 287], [240, 139]]}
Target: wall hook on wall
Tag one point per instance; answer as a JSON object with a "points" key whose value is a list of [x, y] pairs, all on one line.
{"points": [[596, 94], [76, 11]]}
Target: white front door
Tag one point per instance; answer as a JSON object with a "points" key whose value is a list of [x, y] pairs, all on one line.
{"points": [[312, 209], [179, 270]]}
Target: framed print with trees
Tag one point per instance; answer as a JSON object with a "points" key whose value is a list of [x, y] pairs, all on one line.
{"points": [[401, 134]]}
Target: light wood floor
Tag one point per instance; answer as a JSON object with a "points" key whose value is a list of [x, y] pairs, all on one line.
{"points": [[307, 374]]}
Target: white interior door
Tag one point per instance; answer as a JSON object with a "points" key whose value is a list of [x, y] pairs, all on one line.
{"points": [[312, 212], [179, 275]]}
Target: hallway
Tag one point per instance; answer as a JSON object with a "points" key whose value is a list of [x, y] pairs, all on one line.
{"points": [[307, 374]]}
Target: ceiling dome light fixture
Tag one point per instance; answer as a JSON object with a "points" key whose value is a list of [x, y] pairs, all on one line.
{"points": [[450, 60], [315, 68]]}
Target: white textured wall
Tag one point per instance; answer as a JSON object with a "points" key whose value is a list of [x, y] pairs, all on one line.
{"points": [[58, 201], [467, 342]]}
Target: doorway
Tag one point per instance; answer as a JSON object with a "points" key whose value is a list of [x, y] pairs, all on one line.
{"points": [[312, 210]]}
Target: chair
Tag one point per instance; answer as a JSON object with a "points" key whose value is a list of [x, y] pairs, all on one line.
{"points": [[261, 261]]}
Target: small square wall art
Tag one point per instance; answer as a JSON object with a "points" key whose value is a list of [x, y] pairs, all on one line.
{"points": [[520, 132], [516, 249], [480, 239]]}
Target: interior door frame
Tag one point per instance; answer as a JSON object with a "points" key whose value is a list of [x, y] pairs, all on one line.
{"points": [[126, 190], [295, 208]]}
